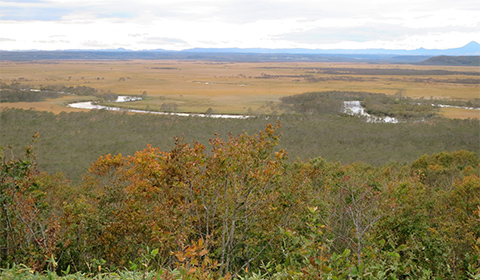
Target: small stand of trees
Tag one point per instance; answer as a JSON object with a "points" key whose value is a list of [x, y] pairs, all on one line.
{"points": [[16, 92]]}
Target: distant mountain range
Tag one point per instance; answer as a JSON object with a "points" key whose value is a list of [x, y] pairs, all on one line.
{"points": [[472, 48], [259, 55]]}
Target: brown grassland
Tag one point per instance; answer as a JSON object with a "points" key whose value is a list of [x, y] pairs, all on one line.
{"points": [[229, 87]]}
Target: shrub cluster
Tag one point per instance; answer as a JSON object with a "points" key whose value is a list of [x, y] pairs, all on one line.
{"points": [[238, 209]]}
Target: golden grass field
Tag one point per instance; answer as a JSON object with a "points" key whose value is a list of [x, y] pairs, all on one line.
{"points": [[227, 87]]}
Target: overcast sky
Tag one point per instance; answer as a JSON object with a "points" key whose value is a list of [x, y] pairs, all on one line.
{"points": [[183, 24]]}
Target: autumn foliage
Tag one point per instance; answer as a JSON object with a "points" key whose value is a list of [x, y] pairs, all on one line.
{"points": [[237, 207]]}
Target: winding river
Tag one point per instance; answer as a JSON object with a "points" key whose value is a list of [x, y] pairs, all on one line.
{"points": [[90, 105], [353, 108]]}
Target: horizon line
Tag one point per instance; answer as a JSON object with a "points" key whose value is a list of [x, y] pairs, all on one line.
{"points": [[240, 48]]}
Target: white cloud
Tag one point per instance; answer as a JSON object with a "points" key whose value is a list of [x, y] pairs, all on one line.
{"points": [[180, 24]]}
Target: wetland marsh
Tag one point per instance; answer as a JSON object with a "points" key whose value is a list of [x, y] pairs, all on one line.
{"points": [[240, 87]]}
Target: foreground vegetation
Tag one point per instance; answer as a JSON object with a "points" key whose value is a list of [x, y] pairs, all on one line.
{"points": [[239, 209]]}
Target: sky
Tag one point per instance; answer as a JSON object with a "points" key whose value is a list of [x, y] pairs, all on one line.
{"points": [[185, 24]]}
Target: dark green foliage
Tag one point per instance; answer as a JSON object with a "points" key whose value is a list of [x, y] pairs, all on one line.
{"points": [[331, 102], [70, 142], [80, 90], [16, 92], [403, 108]]}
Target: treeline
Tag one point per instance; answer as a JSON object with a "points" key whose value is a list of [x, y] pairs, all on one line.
{"points": [[16, 92], [471, 81], [236, 208], [380, 71]]}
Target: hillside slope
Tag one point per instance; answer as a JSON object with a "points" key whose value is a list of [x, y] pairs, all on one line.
{"points": [[452, 60]]}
